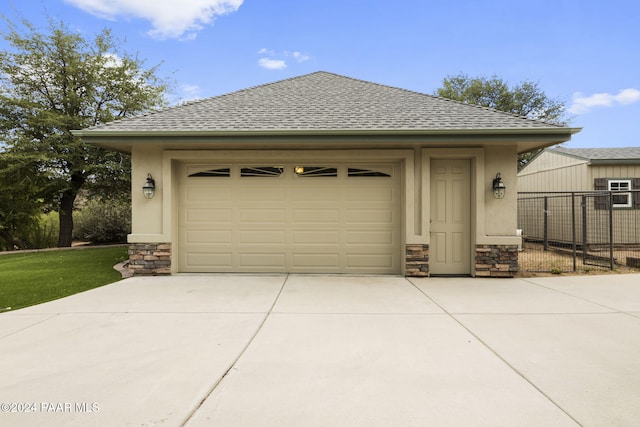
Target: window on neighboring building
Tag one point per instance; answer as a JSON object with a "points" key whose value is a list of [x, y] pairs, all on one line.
{"points": [[623, 186]]}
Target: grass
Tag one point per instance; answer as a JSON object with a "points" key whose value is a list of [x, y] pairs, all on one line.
{"points": [[33, 278]]}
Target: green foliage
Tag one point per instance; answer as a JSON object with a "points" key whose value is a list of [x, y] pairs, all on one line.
{"points": [[37, 232], [41, 233], [33, 278], [525, 99], [103, 221], [20, 202], [54, 81]]}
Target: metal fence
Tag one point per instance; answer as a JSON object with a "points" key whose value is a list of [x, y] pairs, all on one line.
{"points": [[579, 231]]}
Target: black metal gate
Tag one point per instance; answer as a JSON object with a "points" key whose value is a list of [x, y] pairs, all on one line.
{"points": [[575, 230]]}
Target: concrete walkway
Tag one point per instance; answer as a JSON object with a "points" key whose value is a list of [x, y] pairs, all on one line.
{"points": [[232, 350]]}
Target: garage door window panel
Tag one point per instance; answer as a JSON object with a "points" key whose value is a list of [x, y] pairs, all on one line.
{"points": [[381, 172], [316, 171], [212, 173], [261, 171]]}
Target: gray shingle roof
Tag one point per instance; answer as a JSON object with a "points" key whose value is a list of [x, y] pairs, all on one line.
{"points": [[619, 153], [321, 101]]}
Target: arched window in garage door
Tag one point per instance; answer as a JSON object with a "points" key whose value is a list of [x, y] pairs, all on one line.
{"points": [[261, 171], [358, 172], [222, 172], [320, 171]]}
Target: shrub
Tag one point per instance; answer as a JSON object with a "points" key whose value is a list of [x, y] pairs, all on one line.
{"points": [[103, 221], [38, 232], [44, 233]]}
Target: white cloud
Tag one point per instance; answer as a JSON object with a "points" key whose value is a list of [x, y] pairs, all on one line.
{"points": [[169, 18], [184, 93], [583, 104], [272, 64], [112, 60], [301, 57], [190, 92], [628, 96]]}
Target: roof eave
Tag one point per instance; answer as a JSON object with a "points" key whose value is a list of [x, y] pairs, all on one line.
{"points": [[572, 155], [614, 161], [96, 133], [525, 139]]}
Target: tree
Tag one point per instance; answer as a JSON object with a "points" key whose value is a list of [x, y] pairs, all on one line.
{"points": [[525, 99], [56, 81], [20, 202]]}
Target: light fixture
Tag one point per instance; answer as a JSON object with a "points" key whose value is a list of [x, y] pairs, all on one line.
{"points": [[149, 187], [498, 187]]}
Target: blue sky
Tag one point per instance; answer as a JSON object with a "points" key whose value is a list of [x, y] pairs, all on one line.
{"points": [[584, 52]]}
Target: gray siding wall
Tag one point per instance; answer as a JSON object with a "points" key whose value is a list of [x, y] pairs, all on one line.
{"points": [[554, 172], [614, 171]]}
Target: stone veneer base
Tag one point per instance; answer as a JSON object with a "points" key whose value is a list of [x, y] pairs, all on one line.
{"points": [[150, 259], [417, 260], [490, 261], [496, 260]]}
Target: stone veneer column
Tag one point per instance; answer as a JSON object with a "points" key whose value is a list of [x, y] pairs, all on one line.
{"points": [[496, 260], [150, 258], [417, 260]]}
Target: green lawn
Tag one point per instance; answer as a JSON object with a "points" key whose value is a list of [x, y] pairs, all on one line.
{"points": [[33, 278]]}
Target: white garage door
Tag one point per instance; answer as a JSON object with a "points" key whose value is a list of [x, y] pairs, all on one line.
{"points": [[306, 217]]}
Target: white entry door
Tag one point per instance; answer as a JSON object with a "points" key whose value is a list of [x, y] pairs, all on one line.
{"points": [[450, 248]]}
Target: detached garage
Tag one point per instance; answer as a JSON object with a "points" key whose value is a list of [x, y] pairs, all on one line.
{"points": [[324, 174]]}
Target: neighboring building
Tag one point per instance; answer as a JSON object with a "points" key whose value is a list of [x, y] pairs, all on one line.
{"points": [[325, 174], [581, 170]]}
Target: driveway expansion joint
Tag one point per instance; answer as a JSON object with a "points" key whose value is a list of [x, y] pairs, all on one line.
{"points": [[495, 353], [233, 364], [613, 310], [29, 326]]}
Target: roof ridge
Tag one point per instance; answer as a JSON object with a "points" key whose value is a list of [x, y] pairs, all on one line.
{"points": [[264, 85]]}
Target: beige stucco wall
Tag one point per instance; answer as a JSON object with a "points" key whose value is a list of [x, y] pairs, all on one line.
{"points": [[500, 214], [147, 214], [493, 221]]}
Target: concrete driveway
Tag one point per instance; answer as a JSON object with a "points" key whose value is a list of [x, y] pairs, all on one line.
{"points": [[297, 350]]}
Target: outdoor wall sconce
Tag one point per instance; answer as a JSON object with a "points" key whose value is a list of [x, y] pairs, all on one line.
{"points": [[149, 187], [498, 187]]}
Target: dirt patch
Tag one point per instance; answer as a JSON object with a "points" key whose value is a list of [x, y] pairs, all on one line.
{"points": [[536, 262]]}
